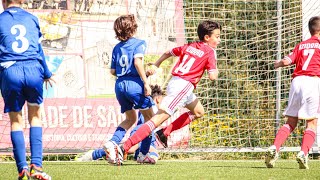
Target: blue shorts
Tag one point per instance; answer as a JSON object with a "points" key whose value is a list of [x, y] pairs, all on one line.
{"points": [[130, 94], [23, 81]]}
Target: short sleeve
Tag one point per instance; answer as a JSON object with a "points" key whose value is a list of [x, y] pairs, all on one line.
{"points": [[140, 50], [292, 57], [177, 51]]}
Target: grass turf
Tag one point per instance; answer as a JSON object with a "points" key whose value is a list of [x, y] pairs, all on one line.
{"points": [[176, 169]]}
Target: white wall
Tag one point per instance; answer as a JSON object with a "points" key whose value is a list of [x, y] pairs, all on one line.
{"points": [[310, 8], [1, 8]]}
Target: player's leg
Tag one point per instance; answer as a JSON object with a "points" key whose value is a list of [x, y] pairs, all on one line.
{"points": [[111, 146], [284, 132], [126, 108], [307, 141], [196, 110], [35, 137], [146, 142], [11, 90], [272, 153], [153, 149], [294, 102], [114, 155], [121, 130], [34, 116], [309, 112], [177, 93], [91, 155], [34, 97], [136, 148], [146, 129], [18, 143]]}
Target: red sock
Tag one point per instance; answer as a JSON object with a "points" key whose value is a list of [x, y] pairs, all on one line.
{"points": [[139, 135], [308, 140], [180, 122], [282, 135]]}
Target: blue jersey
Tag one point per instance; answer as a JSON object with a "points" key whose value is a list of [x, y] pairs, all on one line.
{"points": [[123, 57], [20, 38]]}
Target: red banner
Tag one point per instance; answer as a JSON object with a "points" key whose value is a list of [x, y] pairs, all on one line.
{"points": [[79, 123]]}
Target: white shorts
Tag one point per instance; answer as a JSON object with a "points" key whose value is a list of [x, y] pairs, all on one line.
{"points": [[179, 94], [304, 98]]}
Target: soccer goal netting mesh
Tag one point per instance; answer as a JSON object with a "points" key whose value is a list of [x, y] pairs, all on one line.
{"points": [[243, 108]]}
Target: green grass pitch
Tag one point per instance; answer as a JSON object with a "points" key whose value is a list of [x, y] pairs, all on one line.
{"points": [[175, 169]]}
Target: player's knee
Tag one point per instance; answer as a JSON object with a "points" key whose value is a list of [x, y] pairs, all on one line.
{"points": [[312, 124]]}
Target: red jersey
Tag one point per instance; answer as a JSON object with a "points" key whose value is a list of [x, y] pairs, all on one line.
{"points": [[194, 59], [306, 56]]}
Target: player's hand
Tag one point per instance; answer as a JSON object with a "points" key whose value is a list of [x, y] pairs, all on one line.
{"points": [[152, 69], [277, 64], [49, 81], [147, 89]]}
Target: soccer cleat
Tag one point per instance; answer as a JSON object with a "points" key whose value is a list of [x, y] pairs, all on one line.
{"points": [[114, 154], [271, 156], [24, 175], [302, 159], [37, 173], [84, 157], [162, 138], [109, 148], [146, 159], [124, 153]]}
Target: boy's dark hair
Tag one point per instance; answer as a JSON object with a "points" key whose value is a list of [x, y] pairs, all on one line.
{"points": [[314, 25], [156, 91], [206, 28], [125, 27]]}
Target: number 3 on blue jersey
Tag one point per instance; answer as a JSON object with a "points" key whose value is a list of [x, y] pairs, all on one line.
{"points": [[20, 31]]}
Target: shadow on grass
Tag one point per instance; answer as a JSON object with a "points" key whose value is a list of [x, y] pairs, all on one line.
{"points": [[98, 164], [246, 167]]}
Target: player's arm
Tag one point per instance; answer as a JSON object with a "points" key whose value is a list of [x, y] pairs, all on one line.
{"points": [[47, 72], [212, 67], [163, 57], [113, 72], [157, 64], [282, 63], [213, 75], [138, 56], [138, 63], [113, 64], [289, 59]]}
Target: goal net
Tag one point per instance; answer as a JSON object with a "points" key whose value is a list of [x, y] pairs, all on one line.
{"points": [[243, 107]]}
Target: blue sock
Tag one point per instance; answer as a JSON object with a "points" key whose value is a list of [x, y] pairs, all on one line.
{"points": [[98, 153], [118, 135], [36, 146], [145, 145], [19, 150], [136, 153]]}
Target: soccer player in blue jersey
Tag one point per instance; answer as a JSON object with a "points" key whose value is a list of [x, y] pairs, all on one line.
{"points": [[132, 88], [157, 95], [23, 71]]}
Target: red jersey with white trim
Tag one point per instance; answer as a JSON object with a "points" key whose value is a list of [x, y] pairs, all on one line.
{"points": [[306, 56], [194, 59]]}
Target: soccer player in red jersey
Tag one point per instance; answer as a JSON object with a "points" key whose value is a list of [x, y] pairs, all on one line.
{"points": [[303, 96], [194, 59]]}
